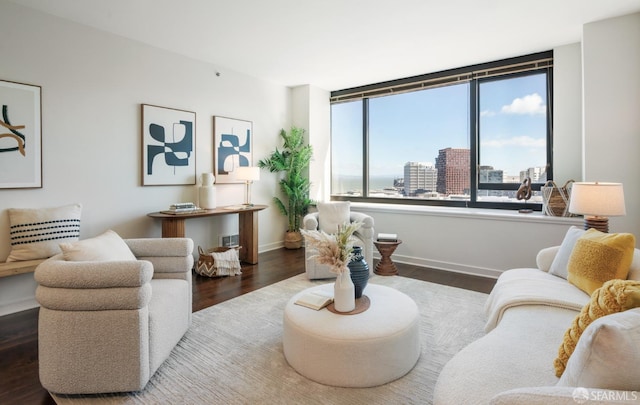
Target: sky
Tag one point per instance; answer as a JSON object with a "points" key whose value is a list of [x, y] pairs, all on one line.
{"points": [[414, 126]]}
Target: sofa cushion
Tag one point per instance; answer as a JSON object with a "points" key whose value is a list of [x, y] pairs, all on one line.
{"points": [[614, 296], [598, 257], [333, 214], [106, 247], [36, 232], [607, 354], [561, 260]]}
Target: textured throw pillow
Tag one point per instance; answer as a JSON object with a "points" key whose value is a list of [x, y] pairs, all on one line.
{"points": [[333, 214], [106, 247], [607, 354], [598, 257], [561, 261], [36, 232], [614, 296]]}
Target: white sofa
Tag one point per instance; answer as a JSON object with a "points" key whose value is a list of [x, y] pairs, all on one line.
{"points": [[528, 312], [107, 326]]}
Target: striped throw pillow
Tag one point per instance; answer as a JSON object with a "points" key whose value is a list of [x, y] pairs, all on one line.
{"points": [[37, 233]]}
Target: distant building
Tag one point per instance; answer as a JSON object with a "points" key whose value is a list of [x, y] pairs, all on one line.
{"points": [[419, 176], [453, 167], [536, 174], [490, 175]]}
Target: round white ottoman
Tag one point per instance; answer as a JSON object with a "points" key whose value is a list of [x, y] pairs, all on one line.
{"points": [[363, 350]]}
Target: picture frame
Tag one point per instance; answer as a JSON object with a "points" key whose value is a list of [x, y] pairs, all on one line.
{"points": [[168, 146], [232, 147], [20, 135]]}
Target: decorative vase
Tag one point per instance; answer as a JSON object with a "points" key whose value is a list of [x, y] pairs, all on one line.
{"points": [[359, 271], [293, 240], [207, 192], [343, 292]]}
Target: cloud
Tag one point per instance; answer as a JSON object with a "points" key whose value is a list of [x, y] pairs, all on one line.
{"points": [[530, 104], [487, 113], [520, 141]]}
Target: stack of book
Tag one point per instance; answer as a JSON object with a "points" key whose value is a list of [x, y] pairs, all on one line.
{"points": [[182, 208], [387, 237]]}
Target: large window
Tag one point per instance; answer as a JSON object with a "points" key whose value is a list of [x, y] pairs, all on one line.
{"points": [[466, 137]]}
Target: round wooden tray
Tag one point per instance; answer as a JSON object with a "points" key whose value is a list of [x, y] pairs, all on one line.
{"points": [[362, 304]]}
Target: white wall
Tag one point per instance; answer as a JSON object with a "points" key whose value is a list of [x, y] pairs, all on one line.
{"points": [[567, 113], [611, 54], [92, 86], [311, 111]]}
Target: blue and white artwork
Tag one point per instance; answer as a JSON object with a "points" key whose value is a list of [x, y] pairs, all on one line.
{"points": [[168, 146], [232, 147]]}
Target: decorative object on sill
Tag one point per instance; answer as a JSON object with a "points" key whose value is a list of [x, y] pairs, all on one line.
{"points": [[387, 237], [219, 261], [555, 200], [597, 201], [336, 251], [248, 174], [207, 192], [359, 271], [524, 193], [293, 160]]}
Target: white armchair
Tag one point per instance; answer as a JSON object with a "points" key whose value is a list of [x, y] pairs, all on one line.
{"points": [[328, 215]]}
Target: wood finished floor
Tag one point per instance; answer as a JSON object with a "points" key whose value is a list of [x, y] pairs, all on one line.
{"points": [[19, 382]]}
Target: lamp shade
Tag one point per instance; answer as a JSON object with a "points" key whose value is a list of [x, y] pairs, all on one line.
{"points": [[247, 173], [597, 199]]}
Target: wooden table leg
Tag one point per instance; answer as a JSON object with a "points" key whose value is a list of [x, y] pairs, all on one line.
{"points": [[173, 228], [248, 235]]}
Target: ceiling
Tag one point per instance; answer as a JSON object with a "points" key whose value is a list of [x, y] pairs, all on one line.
{"points": [[337, 44]]}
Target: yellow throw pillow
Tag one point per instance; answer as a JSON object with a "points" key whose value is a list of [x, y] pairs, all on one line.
{"points": [[614, 296], [598, 257]]}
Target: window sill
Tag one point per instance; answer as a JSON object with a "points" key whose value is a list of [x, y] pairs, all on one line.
{"points": [[475, 213]]}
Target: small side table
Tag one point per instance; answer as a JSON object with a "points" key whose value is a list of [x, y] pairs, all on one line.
{"points": [[385, 266]]}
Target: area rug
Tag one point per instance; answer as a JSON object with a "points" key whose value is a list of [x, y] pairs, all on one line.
{"points": [[232, 354]]}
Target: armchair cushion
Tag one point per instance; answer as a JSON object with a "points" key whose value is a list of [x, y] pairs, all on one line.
{"points": [[333, 214], [106, 247]]}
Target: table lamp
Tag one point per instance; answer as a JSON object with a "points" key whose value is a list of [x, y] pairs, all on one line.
{"points": [[248, 174], [597, 201]]}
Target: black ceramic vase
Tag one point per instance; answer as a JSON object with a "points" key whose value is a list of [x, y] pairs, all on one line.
{"points": [[359, 271]]}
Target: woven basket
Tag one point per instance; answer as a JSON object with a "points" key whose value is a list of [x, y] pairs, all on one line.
{"points": [[555, 200], [207, 266]]}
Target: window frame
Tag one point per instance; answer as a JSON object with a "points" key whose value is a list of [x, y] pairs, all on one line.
{"points": [[541, 62]]}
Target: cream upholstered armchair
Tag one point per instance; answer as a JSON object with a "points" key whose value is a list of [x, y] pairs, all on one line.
{"points": [[106, 325], [327, 219]]}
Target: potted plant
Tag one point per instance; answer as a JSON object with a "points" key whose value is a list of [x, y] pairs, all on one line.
{"points": [[293, 160]]}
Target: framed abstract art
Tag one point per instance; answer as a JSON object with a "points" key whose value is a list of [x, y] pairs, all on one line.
{"points": [[168, 146], [20, 135], [232, 147]]}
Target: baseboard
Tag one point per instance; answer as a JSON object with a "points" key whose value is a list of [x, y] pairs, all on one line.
{"points": [[447, 266], [18, 306]]}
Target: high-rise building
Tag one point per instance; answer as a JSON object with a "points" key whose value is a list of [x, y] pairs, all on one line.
{"points": [[419, 177], [453, 166]]}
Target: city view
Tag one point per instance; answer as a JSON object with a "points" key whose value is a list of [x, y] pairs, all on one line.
{"points": [[419, 141]]}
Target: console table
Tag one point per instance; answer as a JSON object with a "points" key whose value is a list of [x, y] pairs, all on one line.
{"points": [[173, 226]]}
